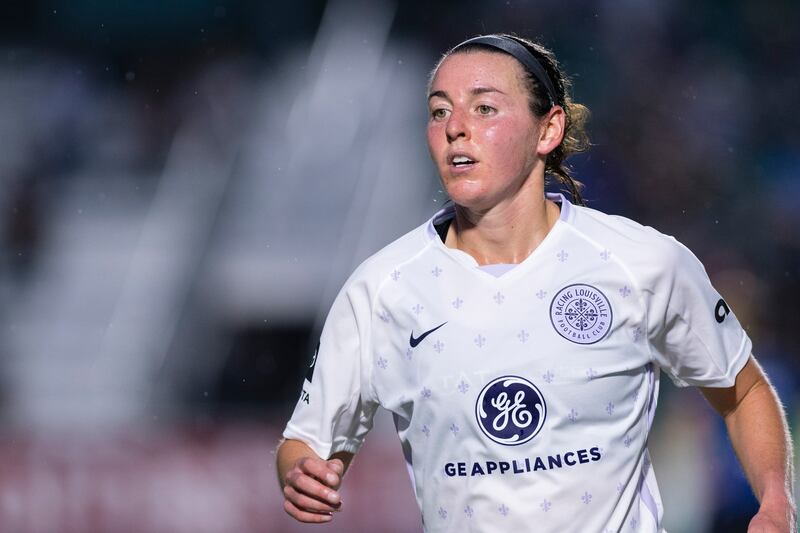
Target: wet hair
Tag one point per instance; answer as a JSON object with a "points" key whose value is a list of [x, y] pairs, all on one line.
{"points": [[576, 139]]}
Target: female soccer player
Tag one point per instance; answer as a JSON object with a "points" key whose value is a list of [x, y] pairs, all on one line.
{"points": [[517, 337]]}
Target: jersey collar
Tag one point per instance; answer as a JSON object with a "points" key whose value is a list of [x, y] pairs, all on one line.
{"points": [[449, 211]]}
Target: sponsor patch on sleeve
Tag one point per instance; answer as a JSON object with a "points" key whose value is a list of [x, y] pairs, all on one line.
{"points": [[310, 371]]}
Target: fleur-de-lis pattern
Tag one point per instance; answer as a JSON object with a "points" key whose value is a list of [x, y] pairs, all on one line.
{"points": [[487, 327]]}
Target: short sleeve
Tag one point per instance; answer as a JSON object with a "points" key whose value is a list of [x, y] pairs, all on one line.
{"points": [[692, 331], [334, 412]]}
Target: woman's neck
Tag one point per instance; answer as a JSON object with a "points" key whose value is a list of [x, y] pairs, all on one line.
{"points": [[506, 233]]}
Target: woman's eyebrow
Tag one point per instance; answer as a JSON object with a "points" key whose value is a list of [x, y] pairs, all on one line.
{"points": [[482, 90], [473, 91], [440, 94]]}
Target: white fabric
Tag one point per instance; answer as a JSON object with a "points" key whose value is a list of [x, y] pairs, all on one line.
{"points": [[654, 309]]}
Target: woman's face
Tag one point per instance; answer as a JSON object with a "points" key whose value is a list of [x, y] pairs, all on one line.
{"points": [[481, 132]]}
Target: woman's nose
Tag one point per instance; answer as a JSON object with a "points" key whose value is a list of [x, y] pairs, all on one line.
{"points": [[456, 126]]}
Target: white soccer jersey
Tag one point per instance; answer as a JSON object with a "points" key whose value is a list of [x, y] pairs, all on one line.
{"points": [[523, 402]]}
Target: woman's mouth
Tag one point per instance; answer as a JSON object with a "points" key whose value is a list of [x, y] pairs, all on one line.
{"points": [[462, 163]]}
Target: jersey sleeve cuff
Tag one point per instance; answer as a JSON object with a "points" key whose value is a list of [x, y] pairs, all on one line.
{"points": [[737, 364], [729, 377], [323, 449]]}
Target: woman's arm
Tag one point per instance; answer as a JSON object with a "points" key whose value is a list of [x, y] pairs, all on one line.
{"points": [[760, 436], [310, 484]]}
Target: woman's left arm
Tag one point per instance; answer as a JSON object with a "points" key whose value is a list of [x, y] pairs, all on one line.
{"points": [[760, 436]]}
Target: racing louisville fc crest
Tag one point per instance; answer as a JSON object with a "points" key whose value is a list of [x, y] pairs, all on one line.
{"points": [[510, 410], [581, 314]]}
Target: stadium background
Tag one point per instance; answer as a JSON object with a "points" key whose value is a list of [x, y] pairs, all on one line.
{"points": [[186, 185]]}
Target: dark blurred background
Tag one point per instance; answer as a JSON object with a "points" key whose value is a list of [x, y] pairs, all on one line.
{"points": [[186, 185]]}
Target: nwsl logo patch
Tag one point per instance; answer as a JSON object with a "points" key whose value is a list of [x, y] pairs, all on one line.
{"points": [[581, 314], [510, 410]]}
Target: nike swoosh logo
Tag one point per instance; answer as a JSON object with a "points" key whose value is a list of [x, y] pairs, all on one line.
{"points": [[413, 342]]}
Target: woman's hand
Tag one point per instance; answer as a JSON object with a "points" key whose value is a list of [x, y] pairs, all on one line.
{"points": [[311, 489], [310, 484]]}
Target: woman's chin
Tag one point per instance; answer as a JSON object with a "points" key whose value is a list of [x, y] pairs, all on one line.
{"points": [[466, 193], [473, 202], [479, 192]]}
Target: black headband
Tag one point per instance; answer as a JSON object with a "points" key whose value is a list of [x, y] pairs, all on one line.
{"points": [[518, 52]]}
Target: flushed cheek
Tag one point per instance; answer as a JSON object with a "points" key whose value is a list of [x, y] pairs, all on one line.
{"points": [[499, 141], [437, 144], [492, 133], [508, 150]]}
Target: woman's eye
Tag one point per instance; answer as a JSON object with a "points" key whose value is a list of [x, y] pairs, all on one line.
{"points": [[485, 109], [439, 113]]}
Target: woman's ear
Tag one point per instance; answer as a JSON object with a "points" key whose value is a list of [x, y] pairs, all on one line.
{"points": [[551, 130]]}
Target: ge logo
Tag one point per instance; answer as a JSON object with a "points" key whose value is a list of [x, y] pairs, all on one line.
{"points": [[510, 410]]}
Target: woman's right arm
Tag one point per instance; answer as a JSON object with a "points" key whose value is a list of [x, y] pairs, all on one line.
{"points": [[310, 484], [334, 412]]}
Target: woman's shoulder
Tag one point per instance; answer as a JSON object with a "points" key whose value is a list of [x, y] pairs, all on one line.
{"points": [[628, 239], [387, 263]]}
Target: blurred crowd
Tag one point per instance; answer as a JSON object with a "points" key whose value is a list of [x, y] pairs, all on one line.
{"points": [[186, 187]]}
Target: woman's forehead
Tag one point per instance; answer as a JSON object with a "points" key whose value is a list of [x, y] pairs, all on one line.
{"points": [[475, 68]]}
